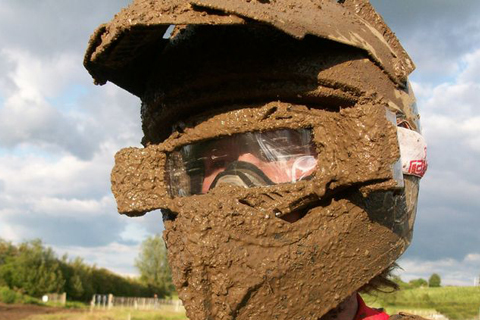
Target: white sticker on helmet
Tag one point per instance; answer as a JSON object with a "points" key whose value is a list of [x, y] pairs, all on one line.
{"points": [[413, 151]]}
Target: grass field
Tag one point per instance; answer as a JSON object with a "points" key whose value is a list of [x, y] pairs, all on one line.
{"points": [[458, 303], [113, 315]]}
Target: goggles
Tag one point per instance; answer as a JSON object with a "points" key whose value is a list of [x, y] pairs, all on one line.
{"points": [[274, 145], [248, 159]]}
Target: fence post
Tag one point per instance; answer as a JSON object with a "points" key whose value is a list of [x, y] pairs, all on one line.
{"points": [[110, 301], [63, 298], [92, 303]]}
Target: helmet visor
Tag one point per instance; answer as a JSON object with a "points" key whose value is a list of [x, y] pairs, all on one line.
{"points": [[247, 159]]}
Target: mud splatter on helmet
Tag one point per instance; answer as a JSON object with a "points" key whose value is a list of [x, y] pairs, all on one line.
{"points": [[282, 145]]}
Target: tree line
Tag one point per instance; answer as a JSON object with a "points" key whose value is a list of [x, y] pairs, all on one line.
{"points": [[433, 282], [34, 269]]}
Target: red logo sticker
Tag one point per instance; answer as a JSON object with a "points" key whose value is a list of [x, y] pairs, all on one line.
{"points": [[418, 167]]}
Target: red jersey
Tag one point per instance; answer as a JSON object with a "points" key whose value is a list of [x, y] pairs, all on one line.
{"points": [[366, 313]]}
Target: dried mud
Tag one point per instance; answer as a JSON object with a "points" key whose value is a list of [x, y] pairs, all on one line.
{"points": [[122, 50], [213, 67]]}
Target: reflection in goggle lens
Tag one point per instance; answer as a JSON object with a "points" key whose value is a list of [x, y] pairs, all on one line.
{"points": [[247, 159]]}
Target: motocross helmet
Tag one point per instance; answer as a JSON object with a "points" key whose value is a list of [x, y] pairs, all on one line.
{"points": [[282, 145]]}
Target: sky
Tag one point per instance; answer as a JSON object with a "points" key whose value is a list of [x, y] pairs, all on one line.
{"points": [[59, 133]]}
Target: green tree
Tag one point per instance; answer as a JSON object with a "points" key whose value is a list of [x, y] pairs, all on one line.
{"points": [[6, 250], [418, 283], [434, 281], [34, 269], [153, 265]]}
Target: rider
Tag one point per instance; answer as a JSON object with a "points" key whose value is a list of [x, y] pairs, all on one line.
{"points": [[282, 145]]}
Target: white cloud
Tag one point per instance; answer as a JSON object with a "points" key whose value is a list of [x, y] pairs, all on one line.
{"points": [[34, 176], [473, 257], [471, 72], [83, 209], [134, 232], [434, 32], [27, 116], [456, 100], [34, 112], [118, 257], [446, 237], [66, 201], [8, 233], [47, 26], [38, 77], [452, 272]]}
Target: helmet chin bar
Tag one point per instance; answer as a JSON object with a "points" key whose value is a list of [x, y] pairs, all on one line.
{"points": [[233, 259]]}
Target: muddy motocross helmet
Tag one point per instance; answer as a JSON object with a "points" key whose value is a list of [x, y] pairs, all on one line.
{"points": [[282, 145]]}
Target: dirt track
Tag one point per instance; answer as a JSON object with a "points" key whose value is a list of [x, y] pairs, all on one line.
{"points": [[19, 311]]}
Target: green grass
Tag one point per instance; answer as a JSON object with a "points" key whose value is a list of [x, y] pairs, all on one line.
{"points": [[69, 305], [113, 315], [9, 296], [454, 302]]}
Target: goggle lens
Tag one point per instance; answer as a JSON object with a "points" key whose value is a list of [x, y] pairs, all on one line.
{"points": [[247, 159]]}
